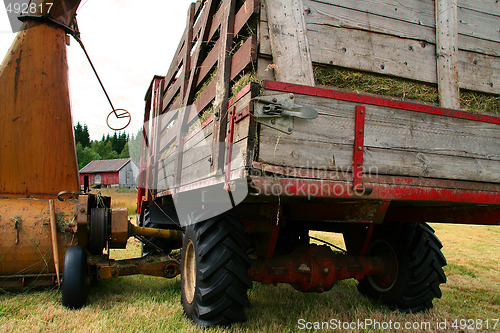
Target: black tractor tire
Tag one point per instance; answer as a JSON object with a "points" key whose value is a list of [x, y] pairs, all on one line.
{"points": [[74, 280], [214, 265], [164, 244], [414, 254]]}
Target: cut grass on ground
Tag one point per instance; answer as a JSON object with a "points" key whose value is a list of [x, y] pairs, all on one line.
{"points": [[121, 197], [146, 304]]}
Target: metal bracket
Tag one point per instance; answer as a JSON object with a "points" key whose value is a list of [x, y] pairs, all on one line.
{"points": [[359, 138], [278, 111]]}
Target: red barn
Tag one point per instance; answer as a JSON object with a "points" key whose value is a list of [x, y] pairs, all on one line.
{"points": [[122, 172]]}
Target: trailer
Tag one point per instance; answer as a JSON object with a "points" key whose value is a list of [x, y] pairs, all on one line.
{"points": [[249, 146], [276, 118]]}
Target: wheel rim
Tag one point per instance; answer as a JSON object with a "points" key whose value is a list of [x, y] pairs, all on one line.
{"points": [[384, 282], [189, 272]]}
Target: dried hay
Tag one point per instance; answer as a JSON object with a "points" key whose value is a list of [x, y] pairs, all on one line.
{"points": [[364, 82]]}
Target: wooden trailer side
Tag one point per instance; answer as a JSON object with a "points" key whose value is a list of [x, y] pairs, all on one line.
{"points": [[402, 139], [387, 38], [399, 38], [191, 113]]}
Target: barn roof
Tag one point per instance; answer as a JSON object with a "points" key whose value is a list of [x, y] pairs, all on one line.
{"points": [[105, 165]]}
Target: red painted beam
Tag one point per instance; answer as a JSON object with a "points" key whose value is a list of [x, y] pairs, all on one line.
{"points": [[374, 100], [316, 188], [314, 268]]}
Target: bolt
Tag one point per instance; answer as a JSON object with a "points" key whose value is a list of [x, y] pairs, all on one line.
{"points": [[113, 273], [360, 148], [360, 131], [273, 121], [275, 100], [82, 210], [361, 111], [326, 270], [290, 129], [291, 96]]}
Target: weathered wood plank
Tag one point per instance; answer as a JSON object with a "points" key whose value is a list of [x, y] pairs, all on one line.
{"points": [[400, 129], [397, 56], [167, 117], [328, 156], [202, 135], [319, 13], [165, 174], [265, 69], [196, 149], [206, 96], [168, 134], [423, 13], [447, 53], [209, 62], [224, 63], [290, 46], [176, 61], [216, 20], [246, 54], [373, 52], [170, 94], [479, 72], [480, 25], [491, 7], [396, 142], [246, 11]]}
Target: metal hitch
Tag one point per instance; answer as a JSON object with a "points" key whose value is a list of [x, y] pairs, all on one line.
{"points": [[278, 111]]}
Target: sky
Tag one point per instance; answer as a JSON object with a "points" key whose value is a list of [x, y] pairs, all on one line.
{"points": [[129, 42]]}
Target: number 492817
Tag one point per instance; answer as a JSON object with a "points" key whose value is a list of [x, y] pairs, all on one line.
{"points": [[471, 324], [28, 8]]}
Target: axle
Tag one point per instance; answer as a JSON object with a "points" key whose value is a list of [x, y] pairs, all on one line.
{"points": [[314, 268]]}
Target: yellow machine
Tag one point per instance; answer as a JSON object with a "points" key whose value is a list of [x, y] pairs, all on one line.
{"points": [[38, 166]]}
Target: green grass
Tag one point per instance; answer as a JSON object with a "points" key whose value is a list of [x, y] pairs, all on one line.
{"points": [[147, 304], [121, 197]]}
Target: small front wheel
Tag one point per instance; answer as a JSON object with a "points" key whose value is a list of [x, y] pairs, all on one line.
{"points": [[74, 283]]}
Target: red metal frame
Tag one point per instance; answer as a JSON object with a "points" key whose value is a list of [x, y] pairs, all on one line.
{"points": [[359, 140], [441, 200], [229, 153], [143, 167], [415, 203], [323, 188], [373, 100], [314, 268]]}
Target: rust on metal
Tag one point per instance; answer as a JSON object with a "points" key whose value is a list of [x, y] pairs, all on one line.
{"points": [[38, 157], [26, 245], [314, 268], [53, 233], [165, 266]]}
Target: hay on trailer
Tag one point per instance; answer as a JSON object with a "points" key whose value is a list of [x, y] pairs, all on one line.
{"points": [[364, 82], [243, 80]]}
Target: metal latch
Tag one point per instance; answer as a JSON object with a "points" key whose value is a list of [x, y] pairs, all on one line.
{"points": [[278, 111]]}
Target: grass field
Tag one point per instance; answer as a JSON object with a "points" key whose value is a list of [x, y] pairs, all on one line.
{"points": [[147, 304]]}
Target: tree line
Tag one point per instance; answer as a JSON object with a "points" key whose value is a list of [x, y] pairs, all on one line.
{"points": [[118, 145]]}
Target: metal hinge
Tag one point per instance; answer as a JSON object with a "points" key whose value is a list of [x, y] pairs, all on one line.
{"points": [[278, 111]]}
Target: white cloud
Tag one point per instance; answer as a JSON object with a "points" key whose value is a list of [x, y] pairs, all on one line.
{"points": [[129, 42]]}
